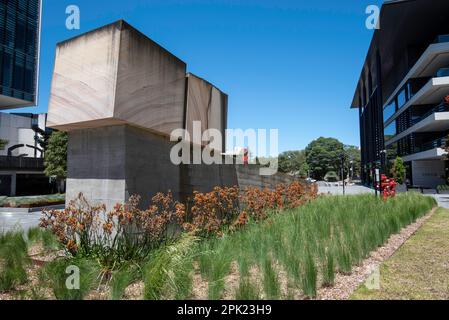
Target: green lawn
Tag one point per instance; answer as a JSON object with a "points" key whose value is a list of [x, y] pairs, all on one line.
{"points": [[420, 269]]}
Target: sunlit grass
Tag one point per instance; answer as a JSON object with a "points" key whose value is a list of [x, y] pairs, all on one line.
{"points": [[419, 269], [13, 260], [310, 243]]}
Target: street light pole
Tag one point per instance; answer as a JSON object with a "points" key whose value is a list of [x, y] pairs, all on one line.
{"points": [[343, 173]]}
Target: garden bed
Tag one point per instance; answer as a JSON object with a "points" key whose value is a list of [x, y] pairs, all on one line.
{"points": [[298, 253], [32, 201]]}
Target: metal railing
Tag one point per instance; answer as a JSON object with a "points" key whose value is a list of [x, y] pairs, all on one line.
{"points": [[442, 107], [437, 143], [8, 162]]}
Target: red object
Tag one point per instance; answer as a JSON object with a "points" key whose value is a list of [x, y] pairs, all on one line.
{"points": [[446, 99], [245, 156], [387, 187]]}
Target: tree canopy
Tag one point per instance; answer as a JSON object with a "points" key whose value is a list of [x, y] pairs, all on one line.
{"points": [[353, 154], [293, 162], [399, 171], [3, 144], [56, 155], [324, 155]]}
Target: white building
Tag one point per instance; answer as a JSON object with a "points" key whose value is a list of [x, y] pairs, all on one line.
{"points": [[22, 159]]}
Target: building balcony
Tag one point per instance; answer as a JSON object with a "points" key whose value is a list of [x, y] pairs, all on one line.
{"points": [[435, 120], [432, 150], [433, 59], [431, 93]]}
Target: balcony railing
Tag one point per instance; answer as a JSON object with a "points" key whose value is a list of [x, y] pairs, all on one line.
{"points": [[442, 107], [17, 163], [437, 143]]}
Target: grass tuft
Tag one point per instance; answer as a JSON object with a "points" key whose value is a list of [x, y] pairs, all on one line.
{"points": [[13, 260]]}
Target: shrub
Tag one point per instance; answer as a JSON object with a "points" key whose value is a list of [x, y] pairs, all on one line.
{"points": [[443, 187], [46, 237], [125, 233], [167, 274], [398, 171], [128, 233], [121, 279], [309, 276], [211, 212], [271, 284], [56, 274], [246, 290], [258, 202], [13, 260], [311, 242]]}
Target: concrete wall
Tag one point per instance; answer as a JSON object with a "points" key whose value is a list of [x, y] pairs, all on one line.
{"points": [[148, 169], [96, 164], [249, 176], [428, 173], [110, 164]]}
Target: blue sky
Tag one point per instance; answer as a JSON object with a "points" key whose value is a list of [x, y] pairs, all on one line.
{"points": [[287, 65]]}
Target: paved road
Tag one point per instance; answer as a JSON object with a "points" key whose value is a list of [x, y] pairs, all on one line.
{"points": [[443, 200], [9, 221], [339, 190]]}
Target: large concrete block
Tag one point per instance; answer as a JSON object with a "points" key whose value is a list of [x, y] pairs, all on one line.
{"points": [[116, 75], [207, 104]]}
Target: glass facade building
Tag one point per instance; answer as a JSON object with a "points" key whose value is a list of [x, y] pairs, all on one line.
{"points": [[19, 52], [409, 115]]}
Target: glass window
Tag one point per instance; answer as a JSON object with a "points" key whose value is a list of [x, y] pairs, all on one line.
{"points": [[410, 90], [29, 76], [19, 69], [7, 68], [443, 72], [20, 34], [31, 39], [402, 98], [390, 110], [390, 131]]}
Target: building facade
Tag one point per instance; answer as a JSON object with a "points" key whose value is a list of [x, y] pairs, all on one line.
{"points": [[22, 157], [402, 93], [19, 52]]}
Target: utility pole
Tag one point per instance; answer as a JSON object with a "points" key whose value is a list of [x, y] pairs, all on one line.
{"points": [[343, 172]]}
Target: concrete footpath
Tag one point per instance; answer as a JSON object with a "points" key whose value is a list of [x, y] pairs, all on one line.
{"points": [[24, 221]]}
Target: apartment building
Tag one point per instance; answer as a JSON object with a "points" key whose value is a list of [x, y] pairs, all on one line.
{"points": [[19, 52], [403, 92]]}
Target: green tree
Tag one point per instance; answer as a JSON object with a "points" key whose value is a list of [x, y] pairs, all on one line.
{"points": [[353, 154], [3, 144], [56, 157], [42, 137], [293, 162], [398, 171], [324, 155]]}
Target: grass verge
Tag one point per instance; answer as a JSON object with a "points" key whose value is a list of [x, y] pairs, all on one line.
{"points": [[419, 270]]}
